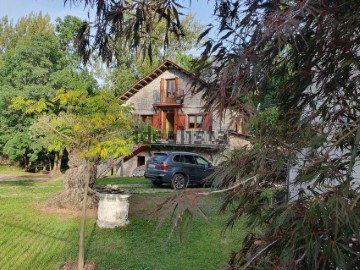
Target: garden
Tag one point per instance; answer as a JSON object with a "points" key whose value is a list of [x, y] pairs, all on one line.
{"points": [[34, 236]]}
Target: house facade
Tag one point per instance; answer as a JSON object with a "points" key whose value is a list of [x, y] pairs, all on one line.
{"points": [[165, 100]]}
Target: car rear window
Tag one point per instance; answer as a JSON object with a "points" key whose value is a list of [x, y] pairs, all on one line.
{"points": [[160, 157]]}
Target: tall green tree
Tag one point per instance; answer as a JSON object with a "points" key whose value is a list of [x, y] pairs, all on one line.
{"points": [[314, 46], [26, 70], [34, 65], [66, 30], [11, 33]]}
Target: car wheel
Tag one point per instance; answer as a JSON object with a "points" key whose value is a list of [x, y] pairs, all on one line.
{"points": [[179, 181], [156, 183]]}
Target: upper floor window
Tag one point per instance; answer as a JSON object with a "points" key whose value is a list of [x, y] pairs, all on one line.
{"points": [[195, 121], [170, 87]]}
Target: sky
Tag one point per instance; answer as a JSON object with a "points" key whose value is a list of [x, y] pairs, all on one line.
{"points": [[15, 9]]}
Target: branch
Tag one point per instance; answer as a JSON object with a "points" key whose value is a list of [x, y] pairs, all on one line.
{"points": [[61, 134], [114, 163], [337, 143], [259, 253], [227, 189], [301, 258]]}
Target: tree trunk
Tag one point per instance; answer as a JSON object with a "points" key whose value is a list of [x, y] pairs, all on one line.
{"points": [[74, 185], [56, 158], [50, 165], [81, 258], [28, 165], [57, 162]]}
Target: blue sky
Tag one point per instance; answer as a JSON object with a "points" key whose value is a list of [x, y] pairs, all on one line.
{"points": [[16, 9]]}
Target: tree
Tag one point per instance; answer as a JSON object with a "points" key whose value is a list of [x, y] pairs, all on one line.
{"points": [[66, 30], [134, 23], [26, 70], [92, 128], [314, 130], [27, 26], [33, 65]]}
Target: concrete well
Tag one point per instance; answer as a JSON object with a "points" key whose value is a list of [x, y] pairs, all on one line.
{"points": [[113, 210]]}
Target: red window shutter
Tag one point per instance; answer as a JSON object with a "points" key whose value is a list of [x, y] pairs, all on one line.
{"points": [[177, 86], [156, 123], [181, 118], [207, 121], [162, 90]]}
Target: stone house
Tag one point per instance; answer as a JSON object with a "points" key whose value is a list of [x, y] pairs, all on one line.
{"points": [[165, 100]]}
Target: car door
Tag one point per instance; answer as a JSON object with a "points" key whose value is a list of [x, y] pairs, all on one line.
{"points": [[205, 168], [191, 167]]}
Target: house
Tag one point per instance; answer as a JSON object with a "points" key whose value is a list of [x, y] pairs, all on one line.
{"points": [[165, 100]]}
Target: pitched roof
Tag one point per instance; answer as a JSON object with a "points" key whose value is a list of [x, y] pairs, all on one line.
{"points": [[166, 65]]}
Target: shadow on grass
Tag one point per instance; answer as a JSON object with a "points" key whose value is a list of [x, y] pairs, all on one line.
{"points": [[28, 229], [90, 241]]}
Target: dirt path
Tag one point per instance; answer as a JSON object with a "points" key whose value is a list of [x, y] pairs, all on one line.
{"points": [[35, 177]]}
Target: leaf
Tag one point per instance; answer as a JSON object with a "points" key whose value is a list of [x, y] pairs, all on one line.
{"points": [[204, 33]]}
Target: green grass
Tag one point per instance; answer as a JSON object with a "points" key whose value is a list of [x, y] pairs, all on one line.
{"points": [[30, 239]]}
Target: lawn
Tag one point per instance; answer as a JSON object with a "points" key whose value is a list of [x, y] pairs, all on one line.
{"points": [[36, 237]]}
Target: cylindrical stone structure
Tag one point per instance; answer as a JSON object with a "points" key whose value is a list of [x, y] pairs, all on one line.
{"points": [[113, 210]]}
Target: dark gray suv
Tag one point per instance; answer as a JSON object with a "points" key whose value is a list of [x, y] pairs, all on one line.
{"points": [[178, 169]]}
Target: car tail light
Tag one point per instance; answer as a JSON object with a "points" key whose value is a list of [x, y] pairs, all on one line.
{"points": [[163, 166]]}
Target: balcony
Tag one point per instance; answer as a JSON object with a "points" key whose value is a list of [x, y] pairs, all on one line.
{"points": [[199, 137], [186, 138], [176, 100], [191, 138]]}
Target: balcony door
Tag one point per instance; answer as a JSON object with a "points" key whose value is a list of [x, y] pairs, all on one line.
{"points": [[169, 90], [169, 125]]}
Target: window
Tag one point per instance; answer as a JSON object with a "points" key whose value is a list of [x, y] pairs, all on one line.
{"points": [[195, 121], [170, 87], [201, 161], [159, 157], [140, 161], [189, 159], [146, 118], [178, 158]]}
